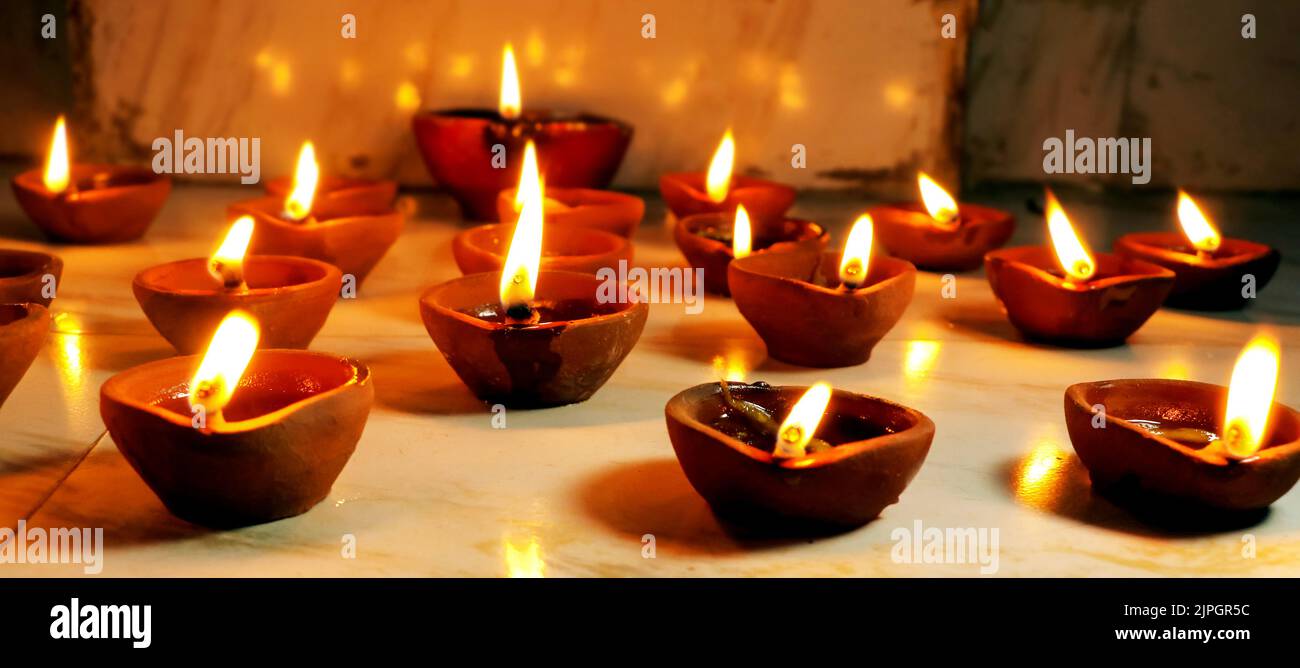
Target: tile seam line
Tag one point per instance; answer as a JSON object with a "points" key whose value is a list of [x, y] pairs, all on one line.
{"points": [[64, 478]]}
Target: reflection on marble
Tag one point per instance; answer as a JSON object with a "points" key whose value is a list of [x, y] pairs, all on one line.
{"points": [[434, 490]]}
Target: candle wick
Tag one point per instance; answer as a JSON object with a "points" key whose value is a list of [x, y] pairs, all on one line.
{"points": [[521, 314]]}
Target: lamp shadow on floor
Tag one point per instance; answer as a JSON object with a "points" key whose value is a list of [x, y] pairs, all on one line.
{"points": [[420, 382]]}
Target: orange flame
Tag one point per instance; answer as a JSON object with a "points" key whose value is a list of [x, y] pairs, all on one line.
{"points": [[511, 101], [1196, 226], [856, 259], [519, 273], [57, 170], [801, 424], [1250, 397], [227, 264], [742, 235], [224, 363], [941, 206], [718, 181], [1070, 251], [298, 205]]}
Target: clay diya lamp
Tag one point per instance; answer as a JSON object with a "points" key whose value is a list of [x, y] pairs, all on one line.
{"points": [[340, 196], [1211, 272], [28, 276], [89, 203], [290, 297], [605, 210], [720, 191], [23, 328], [793, 457], [938, 233], [463, 148], [228, 446], [710, 241], [823, 309], [1067, 296], [1184, 445], [290, 226]]}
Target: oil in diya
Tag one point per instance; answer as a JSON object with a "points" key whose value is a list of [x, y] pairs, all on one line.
{"points": [[240, 436], [1067, 295], [290, 297], [710, 241], [1212, 273], [89, 203], [529, 338], [823, 309], [835, 461], [938, 233], [720, 191], [353, 241], [470, 152], [1186, 446]]}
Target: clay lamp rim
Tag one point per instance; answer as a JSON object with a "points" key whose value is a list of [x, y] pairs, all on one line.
{"points": [[884, 271], [1125, 270], [529, 116], [324, 272], [679, 408], [914, 214], [15, 314], [606, 244], [431, 299], [1231, 252], [42, 263], [1267, 454], [267, 210], [117, 389], [586, 198], [806, 230], [122, 179], [694, 185], [280, 186]]}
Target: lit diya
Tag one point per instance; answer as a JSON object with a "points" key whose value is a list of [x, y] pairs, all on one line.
{"points": [[23, 328], [241, 436], [89, 203], [473, 152], [835, 461], [290, 297], [521, 337], [1068, 296], [290, 225], [823, 309], [341, 196], [719, 191], [1212, 273], [1195, 444], [710, 241], [564, 247], [28, 276], [606, 210], [938, 233]]}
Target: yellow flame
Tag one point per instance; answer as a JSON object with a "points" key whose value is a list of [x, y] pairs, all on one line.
{"points": [[519, 273], [526, 561], [731, 367], [529, 173], [856, 258], [298, 205], [801, 424], [1196, 226], [56, 167], [1250, 397], [742, 234], [1070, 251], [718, 181], [941, 206], [227, 264], [407, 96], [511, 102], [224, 363]]}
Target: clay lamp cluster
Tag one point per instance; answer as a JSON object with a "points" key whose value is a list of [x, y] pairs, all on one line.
{"points": [[564, 247], [89, 203], [467, 150], [353, 241], [290, 297], [710, 241], [28, 276], [1189, 445], [721, 192], [23, 328], [1212, 273], [835, 461], [240, 436], [529, 338], [938, 233], [823, 309], [1068, 296]]}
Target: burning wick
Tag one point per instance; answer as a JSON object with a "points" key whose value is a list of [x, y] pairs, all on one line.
{"points": [[717, 181], [800, 425], [57, 175], [1198, 229], [1071, 253], [223, 365], [227, 264], [742, 235], [938, 203], [1250, 398], [519, 273], [297, 206], [856, 258]]}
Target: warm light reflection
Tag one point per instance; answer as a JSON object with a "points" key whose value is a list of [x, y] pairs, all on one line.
{"points": [[1040, 476], [407, 97], [519, 273], [899, 96], [416, 56], [1175, 369], [462, 65], [742, 234], [297, 205], [791, 88], [801, 424], [1196, 226], [732, 366], [281, 77], [524, 560], [511, 102], [718, 181], [941, 206], [57, 172], [349, 73], [227, 264], [223, 364], [1250, 397], [69, 357], [855, 260], [1070, 251], [919, 359]]}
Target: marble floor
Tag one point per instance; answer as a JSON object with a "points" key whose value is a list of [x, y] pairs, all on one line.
{"points": [[434, 490]]}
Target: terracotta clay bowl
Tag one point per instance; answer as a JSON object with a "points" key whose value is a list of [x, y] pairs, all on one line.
{"points": [[766, 202], [23, 328], [614, 212], [340, 196], [484, 248], [291, 426], [1102, 312], [22, 276], [879, 447], [1134, 463], [1208, 284], [112, 203], [705, 241], [290, 297], [576, 151], [559, 362], [794, 302], [907, 231]]}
